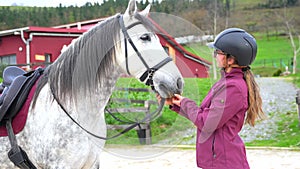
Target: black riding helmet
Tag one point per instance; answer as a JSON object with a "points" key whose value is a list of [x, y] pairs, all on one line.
{"points": [[238, 43]]}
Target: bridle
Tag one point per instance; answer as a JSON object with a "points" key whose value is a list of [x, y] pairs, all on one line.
{"points": [[148, 74], [150, 71]]}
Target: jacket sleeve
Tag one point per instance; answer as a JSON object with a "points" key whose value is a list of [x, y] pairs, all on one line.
{"points": [[187, 108], [225, 103]]}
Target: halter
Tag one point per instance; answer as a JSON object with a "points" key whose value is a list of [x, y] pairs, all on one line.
{"points": [[150, 71], [147, 74]]}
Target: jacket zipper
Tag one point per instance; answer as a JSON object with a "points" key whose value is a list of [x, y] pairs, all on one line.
{"points": [[213, 147]]}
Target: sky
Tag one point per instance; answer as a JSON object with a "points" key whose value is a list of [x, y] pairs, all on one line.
{"points": [[47, 3]]}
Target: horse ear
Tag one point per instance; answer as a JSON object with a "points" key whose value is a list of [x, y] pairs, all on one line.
{"points": [[146, 11], [132, 8]]}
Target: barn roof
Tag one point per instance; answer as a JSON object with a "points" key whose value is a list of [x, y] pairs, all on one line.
{"points": [[41, 30]]}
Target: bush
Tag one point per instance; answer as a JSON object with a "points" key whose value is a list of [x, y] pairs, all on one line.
{"points": [[277, 72], [266, 71], [2, 67]]}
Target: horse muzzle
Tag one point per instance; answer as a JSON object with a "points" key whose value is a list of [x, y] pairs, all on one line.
{"points": [[167, 86]]}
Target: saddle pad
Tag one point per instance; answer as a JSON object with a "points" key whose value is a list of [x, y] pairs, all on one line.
{"points": [[19, 120]]}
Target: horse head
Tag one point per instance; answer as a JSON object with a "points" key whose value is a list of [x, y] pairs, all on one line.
{"points": [[143, 56]]}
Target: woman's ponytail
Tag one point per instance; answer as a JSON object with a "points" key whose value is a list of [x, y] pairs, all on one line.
{"points": [[254, 99]]}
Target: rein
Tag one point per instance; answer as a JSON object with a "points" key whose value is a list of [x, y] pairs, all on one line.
{"points": [[148, 74]]}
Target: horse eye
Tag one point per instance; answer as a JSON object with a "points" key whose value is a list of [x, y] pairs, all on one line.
{"points": [[145, 37]]}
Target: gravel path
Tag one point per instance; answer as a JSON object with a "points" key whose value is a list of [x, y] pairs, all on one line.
{"points": [[278, 97]]}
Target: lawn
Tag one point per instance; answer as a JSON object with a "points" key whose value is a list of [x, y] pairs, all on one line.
{"points": [[287, 135], [274, 53]]}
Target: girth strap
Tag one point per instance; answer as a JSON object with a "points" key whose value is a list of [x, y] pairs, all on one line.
{"points": [[16, 154]]}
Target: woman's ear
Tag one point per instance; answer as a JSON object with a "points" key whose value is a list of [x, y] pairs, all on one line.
{"points": [[230, 61]]}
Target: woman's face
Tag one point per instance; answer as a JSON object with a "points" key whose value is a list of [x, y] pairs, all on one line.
{"points": [[220, 57]]}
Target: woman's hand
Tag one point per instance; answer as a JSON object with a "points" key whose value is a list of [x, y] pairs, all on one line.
{"points": [[176, 99]]}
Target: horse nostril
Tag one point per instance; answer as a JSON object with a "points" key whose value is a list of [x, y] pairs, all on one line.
{"points": [[179, 83]]}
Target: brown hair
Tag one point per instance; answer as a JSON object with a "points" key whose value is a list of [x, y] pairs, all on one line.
{"points": [[255, 102], [254, 111]]}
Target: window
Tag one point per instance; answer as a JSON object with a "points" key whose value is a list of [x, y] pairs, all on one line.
{"points": [[8, 59], [47, 57]]}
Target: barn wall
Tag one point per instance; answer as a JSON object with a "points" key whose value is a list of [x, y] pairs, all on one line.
{"points": [[187, 67], [190, 68], [10, 45], [41, 45]]}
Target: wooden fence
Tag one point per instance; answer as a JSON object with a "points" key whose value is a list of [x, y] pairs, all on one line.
{"points": [[281, 63], [131, 110]]}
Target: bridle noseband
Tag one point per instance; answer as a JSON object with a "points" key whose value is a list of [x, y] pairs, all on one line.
{"points": [[150, 71], [147, 74]]}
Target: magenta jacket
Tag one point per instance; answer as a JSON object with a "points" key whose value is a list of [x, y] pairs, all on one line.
{"points": [[219, 119]]}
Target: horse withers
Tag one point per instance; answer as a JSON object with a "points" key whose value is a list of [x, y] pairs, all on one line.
{"points": [[79, 84]]}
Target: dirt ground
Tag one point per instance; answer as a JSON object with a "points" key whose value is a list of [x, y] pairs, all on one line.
{"points": [[183, 157]]}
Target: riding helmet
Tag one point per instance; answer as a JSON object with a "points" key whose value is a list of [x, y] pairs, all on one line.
{"points": [[238, 43]]}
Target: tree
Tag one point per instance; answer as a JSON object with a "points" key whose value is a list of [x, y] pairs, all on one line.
{"points": [[214, 11], [291, 33]]}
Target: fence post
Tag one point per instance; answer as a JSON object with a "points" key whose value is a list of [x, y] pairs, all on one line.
{"points": [[298, 103]]}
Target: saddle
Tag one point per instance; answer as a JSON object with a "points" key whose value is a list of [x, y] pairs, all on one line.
{"points": [[15, 88]]}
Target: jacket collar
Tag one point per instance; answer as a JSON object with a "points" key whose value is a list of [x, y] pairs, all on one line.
{"points": [[235, 72]]}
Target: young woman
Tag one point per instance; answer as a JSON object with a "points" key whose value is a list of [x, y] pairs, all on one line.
{"points": [[222, 113]]}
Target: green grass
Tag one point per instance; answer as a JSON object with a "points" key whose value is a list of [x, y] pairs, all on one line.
{"points": [[287, 135], [266, 71], [200, 50], [274, 53], [296, 79]]}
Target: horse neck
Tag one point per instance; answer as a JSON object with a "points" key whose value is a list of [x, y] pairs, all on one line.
{"points": [[93, 111]]}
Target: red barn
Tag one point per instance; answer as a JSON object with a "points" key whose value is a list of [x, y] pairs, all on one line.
{"points": [[33, 46]]}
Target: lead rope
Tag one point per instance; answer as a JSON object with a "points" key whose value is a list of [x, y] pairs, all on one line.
{"points": [[147, 118]]}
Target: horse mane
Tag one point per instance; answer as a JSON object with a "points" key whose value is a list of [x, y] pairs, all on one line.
{"points": [[87, 61]]}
